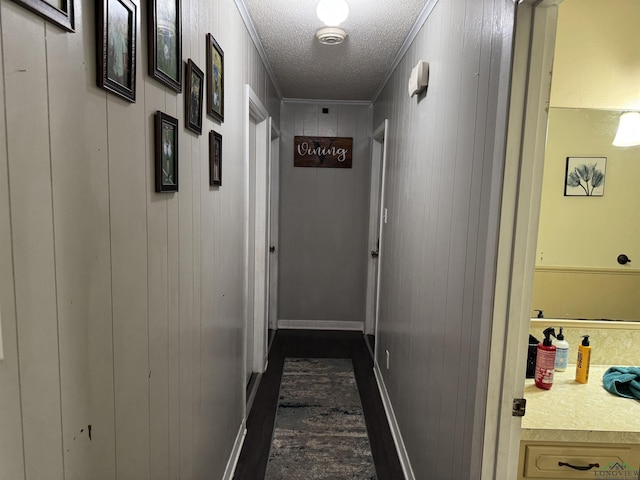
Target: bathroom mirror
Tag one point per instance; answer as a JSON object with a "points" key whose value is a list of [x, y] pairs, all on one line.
{"points": [[580, 237]]}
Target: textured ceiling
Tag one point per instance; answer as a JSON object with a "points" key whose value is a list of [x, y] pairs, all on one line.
{"points": [[353, 70]]}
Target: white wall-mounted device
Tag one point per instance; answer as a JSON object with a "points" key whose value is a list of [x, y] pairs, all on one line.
{"points": [[419, 78]]}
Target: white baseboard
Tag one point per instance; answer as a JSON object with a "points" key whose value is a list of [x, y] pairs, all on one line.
{"points": [[235, 453], [320, 325], [251, 395], [393, 424]]}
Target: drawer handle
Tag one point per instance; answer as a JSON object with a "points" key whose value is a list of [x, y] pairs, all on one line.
{"points": [[579, 467]]}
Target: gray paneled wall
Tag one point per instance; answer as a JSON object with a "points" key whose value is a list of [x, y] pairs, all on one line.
{"points": [[122, 309], [444, 163], [324, 218]]}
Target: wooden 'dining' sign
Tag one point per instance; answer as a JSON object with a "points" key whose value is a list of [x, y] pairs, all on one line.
{"points": [[331, 152]]}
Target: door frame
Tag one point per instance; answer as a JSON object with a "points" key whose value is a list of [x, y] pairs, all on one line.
{"points": [[534, 44], [376, 206], [256, 297], [274, 222]]}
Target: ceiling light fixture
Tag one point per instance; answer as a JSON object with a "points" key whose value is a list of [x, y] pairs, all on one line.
{"points": [[331, 35], [332, 12], [628, 134]]}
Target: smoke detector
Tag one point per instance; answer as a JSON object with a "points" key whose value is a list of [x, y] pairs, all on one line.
{"points": [[331, 35]]}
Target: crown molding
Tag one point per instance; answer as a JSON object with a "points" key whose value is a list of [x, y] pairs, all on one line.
{"points": [[318, 101], [424, 15], [253, 33]]}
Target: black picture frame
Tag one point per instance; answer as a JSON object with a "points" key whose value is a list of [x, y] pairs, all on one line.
{"points": [[193, 96], [116, 45], [215, 79], [166, 152], [165, 42], [62, 15], [215, 159]]}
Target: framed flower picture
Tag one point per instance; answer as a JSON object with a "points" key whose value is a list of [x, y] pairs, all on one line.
{"points": [[116, 41], [215, 79], [59, 12], [165, 42], [193, 95], [166, 152], [584, 176], [215, 159]]}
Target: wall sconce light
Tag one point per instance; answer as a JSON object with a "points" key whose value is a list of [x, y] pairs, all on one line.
{"points": [[628, 134], [332, 12]]}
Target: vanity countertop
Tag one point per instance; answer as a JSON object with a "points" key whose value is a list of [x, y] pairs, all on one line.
{"points": [[574, 412]]}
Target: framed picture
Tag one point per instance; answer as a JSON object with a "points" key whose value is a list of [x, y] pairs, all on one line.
{"points": [[215, 159], [166, 150], [165, 42], [584, 176], [215, 79], [194, 93], [59, 12], [116, 42]]}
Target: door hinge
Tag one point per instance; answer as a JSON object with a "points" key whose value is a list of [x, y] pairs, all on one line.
{"points": [[519, 407]]}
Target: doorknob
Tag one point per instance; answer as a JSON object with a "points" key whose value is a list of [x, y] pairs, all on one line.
{"points": [[272, 248], [375, 253]]}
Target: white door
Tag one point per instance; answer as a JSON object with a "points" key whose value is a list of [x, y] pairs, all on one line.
{"points": [[530, 91], [376, 224], [256, 159], [274, 209]]}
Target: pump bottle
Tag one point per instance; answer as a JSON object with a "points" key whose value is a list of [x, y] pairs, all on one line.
{"points": [[545, 361], [584, 358], [562, 352]]}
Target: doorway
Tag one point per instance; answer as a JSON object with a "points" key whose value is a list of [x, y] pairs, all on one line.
{"points": [[376, 223], [535, 32], [257, 145], [274, 209]]}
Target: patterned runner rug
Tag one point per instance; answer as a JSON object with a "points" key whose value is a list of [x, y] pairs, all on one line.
{"points": [[320, 431]]}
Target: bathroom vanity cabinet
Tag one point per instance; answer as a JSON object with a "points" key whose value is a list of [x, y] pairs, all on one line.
{"points": [[579, 425]]}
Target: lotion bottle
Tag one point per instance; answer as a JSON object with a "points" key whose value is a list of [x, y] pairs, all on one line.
{"points": [[562, 352], [584, 358], [545, 361]]}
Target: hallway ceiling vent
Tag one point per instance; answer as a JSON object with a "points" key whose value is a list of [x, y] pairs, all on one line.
{"points": [[331, 35]]}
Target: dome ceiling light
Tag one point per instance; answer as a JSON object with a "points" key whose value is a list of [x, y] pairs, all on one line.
{"points": [[331, 35], [332, 12]]}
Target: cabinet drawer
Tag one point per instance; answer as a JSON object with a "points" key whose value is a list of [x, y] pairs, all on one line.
{"points": [[615, 461]]}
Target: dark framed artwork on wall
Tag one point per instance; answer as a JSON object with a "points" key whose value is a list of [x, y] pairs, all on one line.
{"points": [[165, 42], [166, 152], [215, 79], [194, 93], [215, 159], [116, 41], [59, 12]]}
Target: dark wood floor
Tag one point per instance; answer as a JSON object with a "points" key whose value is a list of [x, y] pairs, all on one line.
{"points": [[253, 459]]}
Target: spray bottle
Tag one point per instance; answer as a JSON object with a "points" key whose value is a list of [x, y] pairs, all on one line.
{"points": [[584, 358], [545, 361]]}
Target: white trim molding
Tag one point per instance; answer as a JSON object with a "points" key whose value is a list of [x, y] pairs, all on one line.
{"points": [[319, 101], [321, 325], [232, 463], [393, 425], [424, 14], [253, 33]]}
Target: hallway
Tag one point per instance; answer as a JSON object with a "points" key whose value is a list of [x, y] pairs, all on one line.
{"points": [[253, 460]]}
